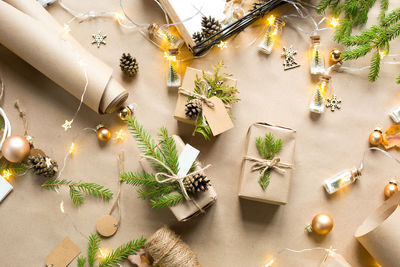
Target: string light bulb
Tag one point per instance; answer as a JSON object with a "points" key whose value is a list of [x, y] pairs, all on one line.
{"points": [[223, 45], [120, 136], [7, 174], [275, 25], [66, 28], [103, 253], [334, 22], [270, 263], [72, 148]]}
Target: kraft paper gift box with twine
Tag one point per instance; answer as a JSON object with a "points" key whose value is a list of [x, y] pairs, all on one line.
{"points": [[197, 203], [30, 32], [280, 166], [380, 233], [218, 121]]}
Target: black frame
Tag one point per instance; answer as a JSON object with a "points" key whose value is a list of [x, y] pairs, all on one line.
{"points": [[235, 27]]}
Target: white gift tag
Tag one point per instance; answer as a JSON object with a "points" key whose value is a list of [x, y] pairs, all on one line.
{"points": [[186, 159], [5, 188]]}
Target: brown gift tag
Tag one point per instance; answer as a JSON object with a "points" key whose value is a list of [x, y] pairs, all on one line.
{"points": [[217, 116], [107, 225], [63, 254]]}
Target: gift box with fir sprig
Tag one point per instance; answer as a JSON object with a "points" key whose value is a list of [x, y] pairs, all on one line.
{"points": [[186, 195]]}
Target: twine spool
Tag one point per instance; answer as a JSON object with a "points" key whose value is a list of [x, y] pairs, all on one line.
{"points": [[168, 250]]}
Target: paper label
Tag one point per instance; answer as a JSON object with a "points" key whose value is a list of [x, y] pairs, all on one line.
{"points": [[63, 254], [217, 117], [186, 159], [5, 188]]}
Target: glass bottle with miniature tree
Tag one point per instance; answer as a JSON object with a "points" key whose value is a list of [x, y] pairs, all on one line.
{"points": [[317, 104], [317, 61], [173, 76], [341, 179], [163, 38], [275, 25]]}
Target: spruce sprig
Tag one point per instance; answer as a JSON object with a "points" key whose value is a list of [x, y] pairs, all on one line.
{"points": [[213, 85], [14, 168], [93, 249], [167, 200], [78, 190], [81, 261], [268, 147]]}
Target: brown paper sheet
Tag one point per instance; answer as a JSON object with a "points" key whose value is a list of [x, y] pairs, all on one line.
{"points": [[63, 254], [57, 55], [217, 117], [186, 210], [334, 259], [380, 233], [277, 191], [188, 84]]}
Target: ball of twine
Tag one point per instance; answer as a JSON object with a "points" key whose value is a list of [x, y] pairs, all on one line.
{"points": [[168, 250]]}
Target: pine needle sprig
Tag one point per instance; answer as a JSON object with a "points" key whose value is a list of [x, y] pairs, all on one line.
{"points": [[122, 252], [93, 249], [155, 191], [138, 179], [168, 200], [81, 261], [78, 190], [14, 168], [169, 149]]}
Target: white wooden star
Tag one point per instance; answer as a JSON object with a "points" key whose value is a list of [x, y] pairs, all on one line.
{"points": [[67, 125], [48, 162], [98, 39]]}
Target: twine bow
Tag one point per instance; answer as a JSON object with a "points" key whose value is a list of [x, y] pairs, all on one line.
{"points": [[203, 98], [171, 177], [266, 164]]}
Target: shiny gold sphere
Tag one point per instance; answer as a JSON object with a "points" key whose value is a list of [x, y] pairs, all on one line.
{"points": [[15, 148], [322, 224], [103, 134], [335, 55], [390, 189], [125, 113], [376, 137]]}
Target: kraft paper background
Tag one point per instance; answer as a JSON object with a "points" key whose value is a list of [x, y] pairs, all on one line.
{"points": [[233, 232]]}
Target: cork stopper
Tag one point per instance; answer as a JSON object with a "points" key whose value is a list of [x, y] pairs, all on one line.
{"points": [[279, 22], [173, 51], [315, 39], [378, 129], [393, 181], [325, 77], [153, 27], [355, 173]]}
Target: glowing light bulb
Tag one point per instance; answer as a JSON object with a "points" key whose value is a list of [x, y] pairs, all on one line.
{"points": [[341, 179], [120, 136], [269, 264], [222, 45], [72, 148], [275, 26], [7, 174], [334, 22], [118, 16], [317, 104], [66, 28], [103, 253]]}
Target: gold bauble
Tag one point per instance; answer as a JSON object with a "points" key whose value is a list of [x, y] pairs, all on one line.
{"points": [[125, 113], [390, 189], [335, 55], [103, 134], [15, 148], [376, 137], [322, 224]]}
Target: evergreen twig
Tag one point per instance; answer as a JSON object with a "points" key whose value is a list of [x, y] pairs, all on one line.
{"points": [[122, 252], [93, 249], [81, 261], [168, 200]]}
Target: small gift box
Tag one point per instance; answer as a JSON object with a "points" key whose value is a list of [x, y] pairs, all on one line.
{"points": [[268, 163], [205, 99], [198, 202]]}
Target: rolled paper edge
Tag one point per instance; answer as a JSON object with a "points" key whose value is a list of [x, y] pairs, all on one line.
{"points": [[113, 97]]}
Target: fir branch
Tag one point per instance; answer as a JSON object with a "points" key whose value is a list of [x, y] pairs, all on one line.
{"points": [[398, 79], [202, 127], [375, 63], [155, 191], [77, 189], [169, 149], [93, 249], [138, 178], [16, 169], [264, 180], [122, 252], [81, 261], [357, 52], [390, 18], [168, 200]]}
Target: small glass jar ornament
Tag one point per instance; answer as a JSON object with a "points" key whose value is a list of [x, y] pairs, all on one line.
{"points": [[321, 224], [391, 188], [173, 76], [341, 179], [163, 38], [376, 137], [103, 133], [317, 104], [317, 60], [275, 25]]}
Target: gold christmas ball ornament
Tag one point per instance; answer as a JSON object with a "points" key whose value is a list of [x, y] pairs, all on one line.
{"points": [[103, 133], [15, 148], [125, 112], [390, 189], [376, 137], [321, 224], [335, 55]]}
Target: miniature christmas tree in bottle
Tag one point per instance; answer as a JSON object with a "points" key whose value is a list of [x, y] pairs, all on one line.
{"points": [[317, 104], [341, 179], [275, 25], [317, 61], [173, 77], [163, 38]]}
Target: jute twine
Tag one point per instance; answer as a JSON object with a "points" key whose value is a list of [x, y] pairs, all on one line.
{"points": [[168, 250]]}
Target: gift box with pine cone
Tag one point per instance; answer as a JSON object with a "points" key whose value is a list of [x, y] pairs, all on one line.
{"points": [[267, 164], [205, 100]]}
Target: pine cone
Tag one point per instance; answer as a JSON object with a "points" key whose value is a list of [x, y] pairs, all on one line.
{"points": [[128, 64], [43, 166], [210, 26], [196, 183], [197, 37], [193, 108], [256, 5]]}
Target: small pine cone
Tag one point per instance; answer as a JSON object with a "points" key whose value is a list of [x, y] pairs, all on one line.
{"points": [[256, 5], [41, 167], [197, 37], [193, 108], [128, 64], [210, 26], [196, 183]]}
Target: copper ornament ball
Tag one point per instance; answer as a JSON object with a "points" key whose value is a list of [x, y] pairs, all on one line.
{"points": [[390, 189], [335, 55], [376, 137], [15, 148], [103, 134], [322, 224], [125, 113]]}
